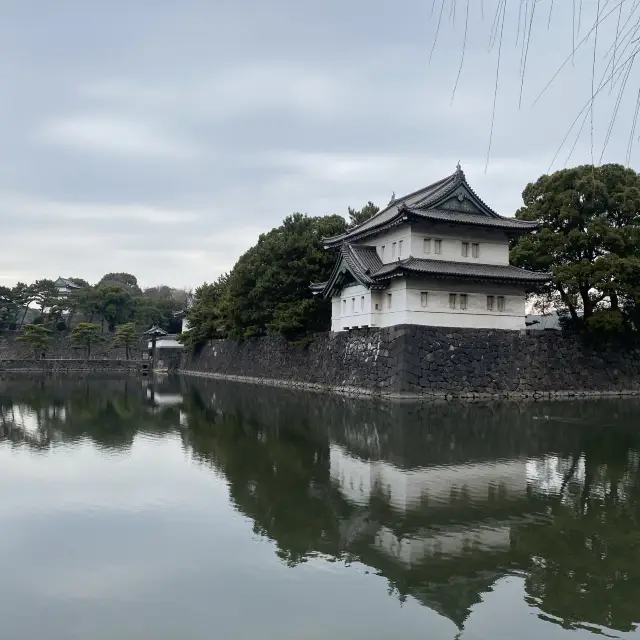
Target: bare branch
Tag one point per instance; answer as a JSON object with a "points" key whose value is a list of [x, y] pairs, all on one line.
{"points": [[435, 39], [503, 3], [464, 47]]}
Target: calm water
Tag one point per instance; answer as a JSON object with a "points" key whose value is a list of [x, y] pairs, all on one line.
{"points": [[201, 509]]}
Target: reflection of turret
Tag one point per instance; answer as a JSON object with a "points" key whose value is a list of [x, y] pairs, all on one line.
{"points": [[432, 537], [443, 484], [441, 501]]}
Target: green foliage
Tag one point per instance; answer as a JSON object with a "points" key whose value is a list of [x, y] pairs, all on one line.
{"points": [[268, 289], [123, 280], [37, 337], [204, 314], [85, 335], [589, 240], [44, 292], [358, 216], [127, 337], [114, 303], [8, 308]]}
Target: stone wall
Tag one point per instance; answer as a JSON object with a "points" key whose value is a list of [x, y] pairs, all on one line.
{"points": [[12, 349], [61, 365], [412, 360]]}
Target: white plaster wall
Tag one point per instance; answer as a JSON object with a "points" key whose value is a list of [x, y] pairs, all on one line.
{"points": [[166, 343], [494, 245], [351, 309], [406, 305], [387, 239], [385, 317], [438, 314]]}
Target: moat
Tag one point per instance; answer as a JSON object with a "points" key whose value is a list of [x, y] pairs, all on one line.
{"points": [[189, 508]]}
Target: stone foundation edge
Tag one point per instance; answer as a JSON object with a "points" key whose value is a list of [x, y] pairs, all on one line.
{"points": [[425, 397], [69, 366]]}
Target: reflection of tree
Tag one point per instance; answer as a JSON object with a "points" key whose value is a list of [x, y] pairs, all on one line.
{"points": [[109, 412], [576, 544], [583, 565], [574, 539], [278, 476]]}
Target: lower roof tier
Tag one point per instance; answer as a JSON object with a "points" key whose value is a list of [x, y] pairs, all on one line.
{"points": [[363, 263]]}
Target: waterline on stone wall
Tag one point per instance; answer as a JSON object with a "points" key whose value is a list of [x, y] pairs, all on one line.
{"points": [[427, 396]]}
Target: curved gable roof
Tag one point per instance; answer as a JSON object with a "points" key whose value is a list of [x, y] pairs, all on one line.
{"points": [[433, 202]]}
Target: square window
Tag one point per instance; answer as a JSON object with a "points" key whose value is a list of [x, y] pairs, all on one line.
{"points": [[500, 303], [490, 302], [424, 299], [427, 246], [393, 250], [463, 300], [399, 248], [388, 301], [437, 247], [452, 300], [465, 249], [475, 250]]}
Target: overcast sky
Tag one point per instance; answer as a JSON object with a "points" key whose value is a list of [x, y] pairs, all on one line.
{"points": [[161, 137]]}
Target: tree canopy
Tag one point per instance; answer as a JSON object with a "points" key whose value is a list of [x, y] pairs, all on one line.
{"points": [[117, 299], [268, 289], [589, 240], [37, 337], [358, 216]]}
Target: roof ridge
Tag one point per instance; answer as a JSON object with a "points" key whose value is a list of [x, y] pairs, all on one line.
{"points": [[397, 202]]}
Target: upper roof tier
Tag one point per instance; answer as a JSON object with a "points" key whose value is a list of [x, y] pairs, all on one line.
{"points": [[450, 200]]}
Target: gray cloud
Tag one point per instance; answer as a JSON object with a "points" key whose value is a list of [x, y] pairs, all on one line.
{"points": [[163, 138]]}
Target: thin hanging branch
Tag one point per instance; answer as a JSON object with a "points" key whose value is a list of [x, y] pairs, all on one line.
{"points": [[593, 76], [435, 39], [495, 93], [464, 47]]}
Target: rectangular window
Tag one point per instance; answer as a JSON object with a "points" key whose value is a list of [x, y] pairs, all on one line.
{"points": [[399, 248], [362, 303], [382, 252], [463, 300], [437, 247], [500, 303], [427, 246], [452, 301], [393, 250], [475, 250], [465, 249], [424, 299], [377, 307], [353, 305], [490, 301], [388, 301]]}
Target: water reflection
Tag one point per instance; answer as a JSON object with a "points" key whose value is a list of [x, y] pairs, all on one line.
{"points": [[445, 502]]}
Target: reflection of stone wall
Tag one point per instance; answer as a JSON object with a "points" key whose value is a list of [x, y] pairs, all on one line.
{"points": [[427, 361], [13, 349]]}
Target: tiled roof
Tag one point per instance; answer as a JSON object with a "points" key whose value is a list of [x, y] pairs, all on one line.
{"points": [[474, 219], [423, 202], [65, 282], [363, 260], [460, 270]]}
